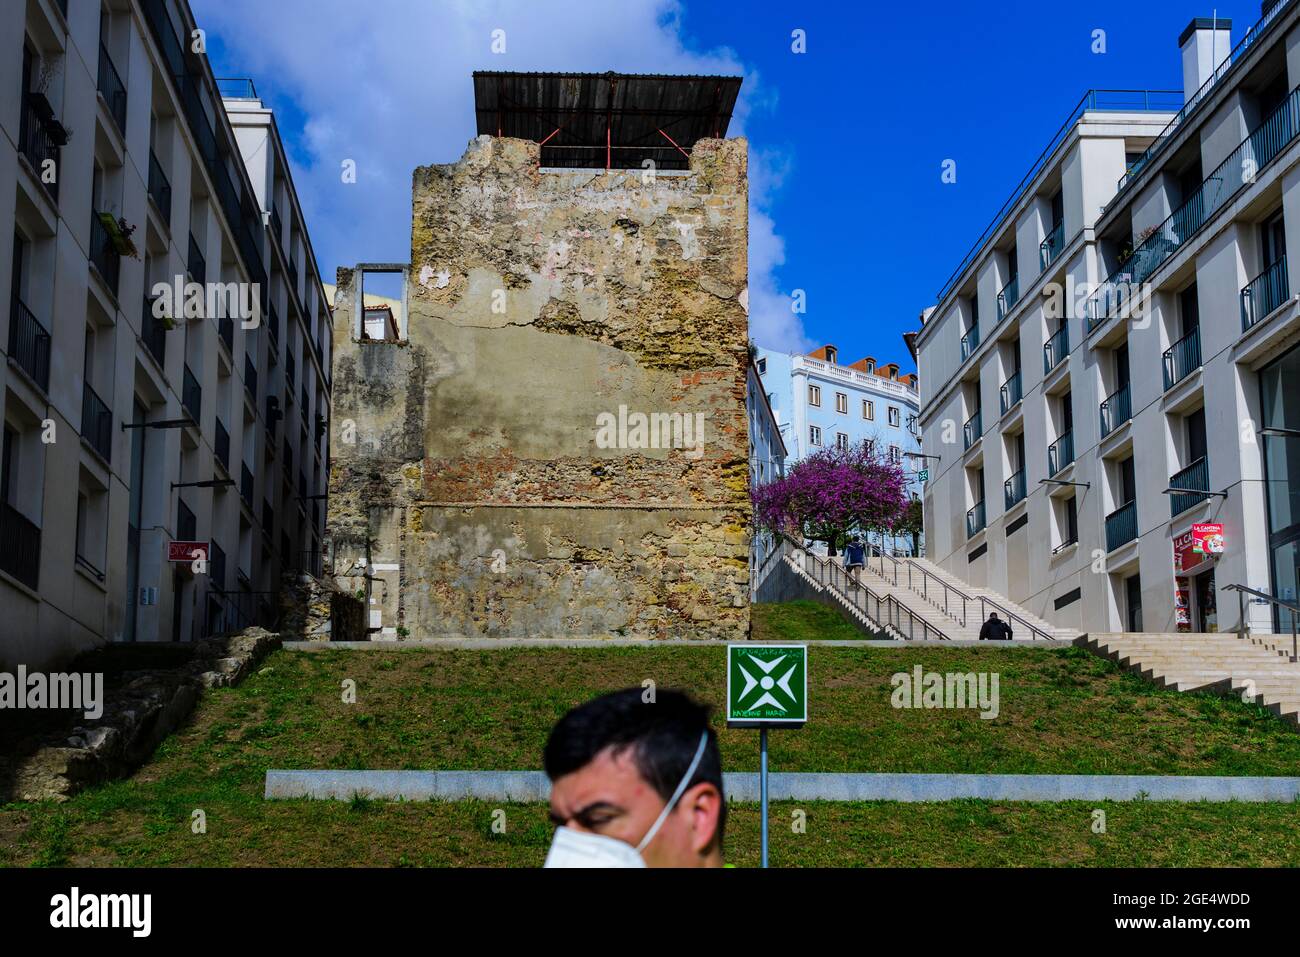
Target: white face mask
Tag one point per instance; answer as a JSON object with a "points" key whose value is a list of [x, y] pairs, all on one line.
{"points": [[572, 848]]}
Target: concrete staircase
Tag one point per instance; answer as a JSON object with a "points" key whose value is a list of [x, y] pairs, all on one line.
{"points": [[949, 603], [1257, 668]]}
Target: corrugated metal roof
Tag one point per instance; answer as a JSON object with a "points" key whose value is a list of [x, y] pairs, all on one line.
{"points": [[594, 120]]}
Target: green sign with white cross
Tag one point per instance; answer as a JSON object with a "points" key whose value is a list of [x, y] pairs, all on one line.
{"points": [[766, 685]]}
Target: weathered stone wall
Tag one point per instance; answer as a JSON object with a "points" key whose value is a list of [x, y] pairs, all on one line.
{"points": [[478, 488]]}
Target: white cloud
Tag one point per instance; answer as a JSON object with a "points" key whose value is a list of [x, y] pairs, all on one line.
{"points": [[387, 84]]}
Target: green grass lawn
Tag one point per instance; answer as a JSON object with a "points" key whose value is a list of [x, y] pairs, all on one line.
{"points": [[1062, 711], [804, 621]]}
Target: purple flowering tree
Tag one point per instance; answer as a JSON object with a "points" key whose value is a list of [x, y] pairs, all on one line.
{"points": [[832, 493]]}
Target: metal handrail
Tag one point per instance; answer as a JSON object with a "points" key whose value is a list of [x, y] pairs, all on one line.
{"points": [[1242, 591], [985, 603], [888, 613]]}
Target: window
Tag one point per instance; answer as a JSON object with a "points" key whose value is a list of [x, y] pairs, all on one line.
{"points": [[814, 435], [1066, 516], [841, 403], [814, 395], [841, 441], [762, 366], [911, 424], [895, 454], [868, 409], [1133, 602], [832, 354], [893, 416], [871, 365]]}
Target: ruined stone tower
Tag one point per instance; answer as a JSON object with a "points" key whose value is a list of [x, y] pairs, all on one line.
{"points": [[555, 444]]}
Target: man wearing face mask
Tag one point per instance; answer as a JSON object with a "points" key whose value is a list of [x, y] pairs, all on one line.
{"points": [[636, 783]]}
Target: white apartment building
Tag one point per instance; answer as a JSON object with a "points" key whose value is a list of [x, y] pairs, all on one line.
{"points": [[127, 431], [1080, 448]]}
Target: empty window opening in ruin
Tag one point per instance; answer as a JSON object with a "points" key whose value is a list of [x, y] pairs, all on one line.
{"points": [[382, 316]]}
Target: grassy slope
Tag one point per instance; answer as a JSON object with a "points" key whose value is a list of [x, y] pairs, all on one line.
{"points": [[1062, 711]]}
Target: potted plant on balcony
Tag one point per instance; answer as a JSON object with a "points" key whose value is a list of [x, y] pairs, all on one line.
{"points": [[119, 233]]}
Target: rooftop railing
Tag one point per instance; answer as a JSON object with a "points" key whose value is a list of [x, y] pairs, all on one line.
{"points": [[1127, 101], [1189, 108]]}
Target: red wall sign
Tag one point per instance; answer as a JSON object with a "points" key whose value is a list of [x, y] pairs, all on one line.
{"points": [[184, 551], [1197, 544]]}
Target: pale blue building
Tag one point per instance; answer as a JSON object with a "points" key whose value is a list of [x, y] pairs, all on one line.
{"points": [[820, 403]]}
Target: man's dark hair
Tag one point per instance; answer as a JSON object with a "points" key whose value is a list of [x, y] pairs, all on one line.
{"points": [[663, 735]]}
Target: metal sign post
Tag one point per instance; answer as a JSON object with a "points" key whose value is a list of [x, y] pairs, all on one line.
{"points": [[767, 686]]}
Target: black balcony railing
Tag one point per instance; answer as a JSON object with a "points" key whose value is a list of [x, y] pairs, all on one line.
{"points": [[160, 190], [1121, 526], [1008, 297], [1051, 247], [39, 139], [1182, 358], [1010, 392], [246, 485], [268, 516], [226, 330], [1264, 293], [1116, 409], [1195, 478], [103, 252], [970, 342], [221, 446], [1060, 453], [250, 375], [1013, 489], [975, 519], [302, 488], [289, 370], [197, 265], [1056, 349], [973, 430], [29, 344], [192, 395], [114, 92], [97, 423], [153, 331], [20, 546]]}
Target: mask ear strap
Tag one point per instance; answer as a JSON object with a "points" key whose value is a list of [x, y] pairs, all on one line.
{"points": [[677, 795]]}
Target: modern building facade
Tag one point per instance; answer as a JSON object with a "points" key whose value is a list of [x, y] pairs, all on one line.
{"points": [[1110, 375], [133, 425], [767, 454]]}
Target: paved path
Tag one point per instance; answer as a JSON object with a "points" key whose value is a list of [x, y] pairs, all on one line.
{"points": [[517, 786]]}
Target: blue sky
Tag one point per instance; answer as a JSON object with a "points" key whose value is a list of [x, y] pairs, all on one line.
{"points": [[847, 139]]}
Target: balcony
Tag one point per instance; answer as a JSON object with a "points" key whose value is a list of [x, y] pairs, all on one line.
{"points": [[103, 253], [273, 327], [20, 547], [1121, 526], [1013, 489], [289, 371], [191, 395], [1116, 410], [250, 376], [221, 446], [1239, 170], [1060, 453], [1264, 293], [973, 430], [110, 86], [1008, 297], [160, 190], [29, 344], [1195, 478], [1182, 358], [97, 423], [277, 227], [1051, 247], [975, 520], [226, 332], [153, 332], [1010, 392], [39, 139], [195, 264], [246, 485], [268, 516], [1056, 349], [970, 342]]}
